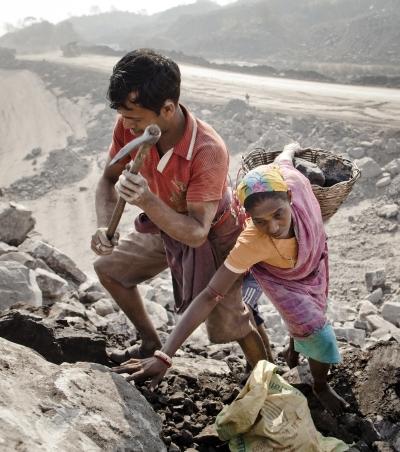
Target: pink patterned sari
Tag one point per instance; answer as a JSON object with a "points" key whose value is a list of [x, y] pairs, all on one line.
{"points": [[300, 293]]}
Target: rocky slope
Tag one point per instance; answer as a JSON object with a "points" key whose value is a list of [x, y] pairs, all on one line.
{"points": [[48, 305]]}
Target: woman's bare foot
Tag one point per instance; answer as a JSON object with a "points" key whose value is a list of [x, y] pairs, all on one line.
{"points": [[329, 398]]}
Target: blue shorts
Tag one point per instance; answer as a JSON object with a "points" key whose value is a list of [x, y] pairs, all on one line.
{"points": [[251, 293], [320, 346]]}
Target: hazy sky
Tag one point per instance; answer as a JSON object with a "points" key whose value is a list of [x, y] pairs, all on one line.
{"points": [[13, 11]]}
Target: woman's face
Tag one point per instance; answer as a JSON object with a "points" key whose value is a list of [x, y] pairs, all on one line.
{"points": [[273, 216]]}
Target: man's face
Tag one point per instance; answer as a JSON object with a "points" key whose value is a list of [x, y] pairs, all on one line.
{"points": [[137, 118]]}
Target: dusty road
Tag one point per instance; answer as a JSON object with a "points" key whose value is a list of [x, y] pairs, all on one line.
{"points": [[380, 106]]}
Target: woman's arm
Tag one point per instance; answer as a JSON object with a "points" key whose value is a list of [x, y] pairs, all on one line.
{"points": [[288, 153], [197, 312]]}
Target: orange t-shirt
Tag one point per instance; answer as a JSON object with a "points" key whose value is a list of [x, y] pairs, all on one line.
{"points": [[252, 247], [194, 170]]}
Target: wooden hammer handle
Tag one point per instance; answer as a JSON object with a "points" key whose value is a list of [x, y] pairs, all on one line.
{"points": [[120, 206]]}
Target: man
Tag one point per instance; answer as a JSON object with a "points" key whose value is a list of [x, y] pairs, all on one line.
{"points": [[182, 189]]}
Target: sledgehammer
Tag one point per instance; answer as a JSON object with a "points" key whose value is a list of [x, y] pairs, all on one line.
{"points": [[145, 142]]}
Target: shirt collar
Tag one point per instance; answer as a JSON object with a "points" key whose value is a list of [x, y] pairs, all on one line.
{"points": [[185, 145]]}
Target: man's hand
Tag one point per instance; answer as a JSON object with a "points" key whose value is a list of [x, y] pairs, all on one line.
{"points": [[100, 243], [133, 188], [143, 369]]}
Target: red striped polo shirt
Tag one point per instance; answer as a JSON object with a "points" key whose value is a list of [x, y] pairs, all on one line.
{"points": [[194, 170]]}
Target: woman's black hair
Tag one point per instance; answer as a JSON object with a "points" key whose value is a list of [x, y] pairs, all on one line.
{"points": [[255, 198], [153, 77]]}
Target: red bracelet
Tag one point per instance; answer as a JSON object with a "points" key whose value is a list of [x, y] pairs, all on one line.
{"points": [[167, 360], [216, 294]]}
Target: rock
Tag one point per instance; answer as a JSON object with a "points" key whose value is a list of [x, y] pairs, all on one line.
{"points": [[51, 285], [61, 310], [103, 307], [157, 313], [313, 173], [352, 335], [77, 406], [97, 320], [366, 308], [199, 337], [18, 256], [57, 261], [383, 182], [18, 284], [15, 223], [392, 146], [393, 167], [356, 153], [369, 168], [5, 248], [91, 297], [374, 279], [376, 322], [118, 323], [54, 342], [163, 293], [199, 366], [376, 296], [391, 312], [388, 211]]}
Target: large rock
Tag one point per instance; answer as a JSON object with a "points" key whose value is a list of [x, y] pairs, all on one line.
{"points": [[18, 284], [15, 223], [369, 168], [52, 286], [57, 261], [80, 407], [52, 339]]}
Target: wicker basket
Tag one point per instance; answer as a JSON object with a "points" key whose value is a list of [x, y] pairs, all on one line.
{"points": [[329, 198]]}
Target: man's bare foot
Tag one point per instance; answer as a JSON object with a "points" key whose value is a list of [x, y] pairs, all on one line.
{"points": [[135, 351], [329, 398]]}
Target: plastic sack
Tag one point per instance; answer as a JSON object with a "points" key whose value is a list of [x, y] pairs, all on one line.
{"points": [[271, 415]]}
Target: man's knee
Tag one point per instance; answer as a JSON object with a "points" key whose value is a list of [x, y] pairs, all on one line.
{"points": [[100, 267]]}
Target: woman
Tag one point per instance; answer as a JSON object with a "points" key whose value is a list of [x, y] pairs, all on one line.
{"points": [[284, 246]]}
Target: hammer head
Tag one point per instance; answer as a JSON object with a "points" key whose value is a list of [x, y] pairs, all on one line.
{"points": [[150, 136]]}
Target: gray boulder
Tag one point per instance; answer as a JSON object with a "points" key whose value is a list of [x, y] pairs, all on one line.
{"points": [[15, 223], [18, 285], [52, 286], [55, 259], [369, 168], [72, 407]]}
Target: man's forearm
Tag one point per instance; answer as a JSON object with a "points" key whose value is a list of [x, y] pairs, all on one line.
{"points": [[183, 228], [105, 201]]}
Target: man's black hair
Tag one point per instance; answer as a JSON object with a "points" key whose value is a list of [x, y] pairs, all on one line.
{"points": [[255, 198], [154, 77]]}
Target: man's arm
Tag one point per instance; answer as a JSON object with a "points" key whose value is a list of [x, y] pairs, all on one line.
{"points": [[106, 196], [191, 229]]}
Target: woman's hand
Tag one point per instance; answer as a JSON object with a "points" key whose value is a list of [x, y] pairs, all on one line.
{"points": [[143, 369]]}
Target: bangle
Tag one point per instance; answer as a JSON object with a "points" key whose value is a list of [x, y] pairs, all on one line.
{"points": [[217, 295], [167, 360]]}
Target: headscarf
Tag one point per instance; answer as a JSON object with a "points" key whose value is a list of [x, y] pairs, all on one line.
{"points": [[263, 178]]}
